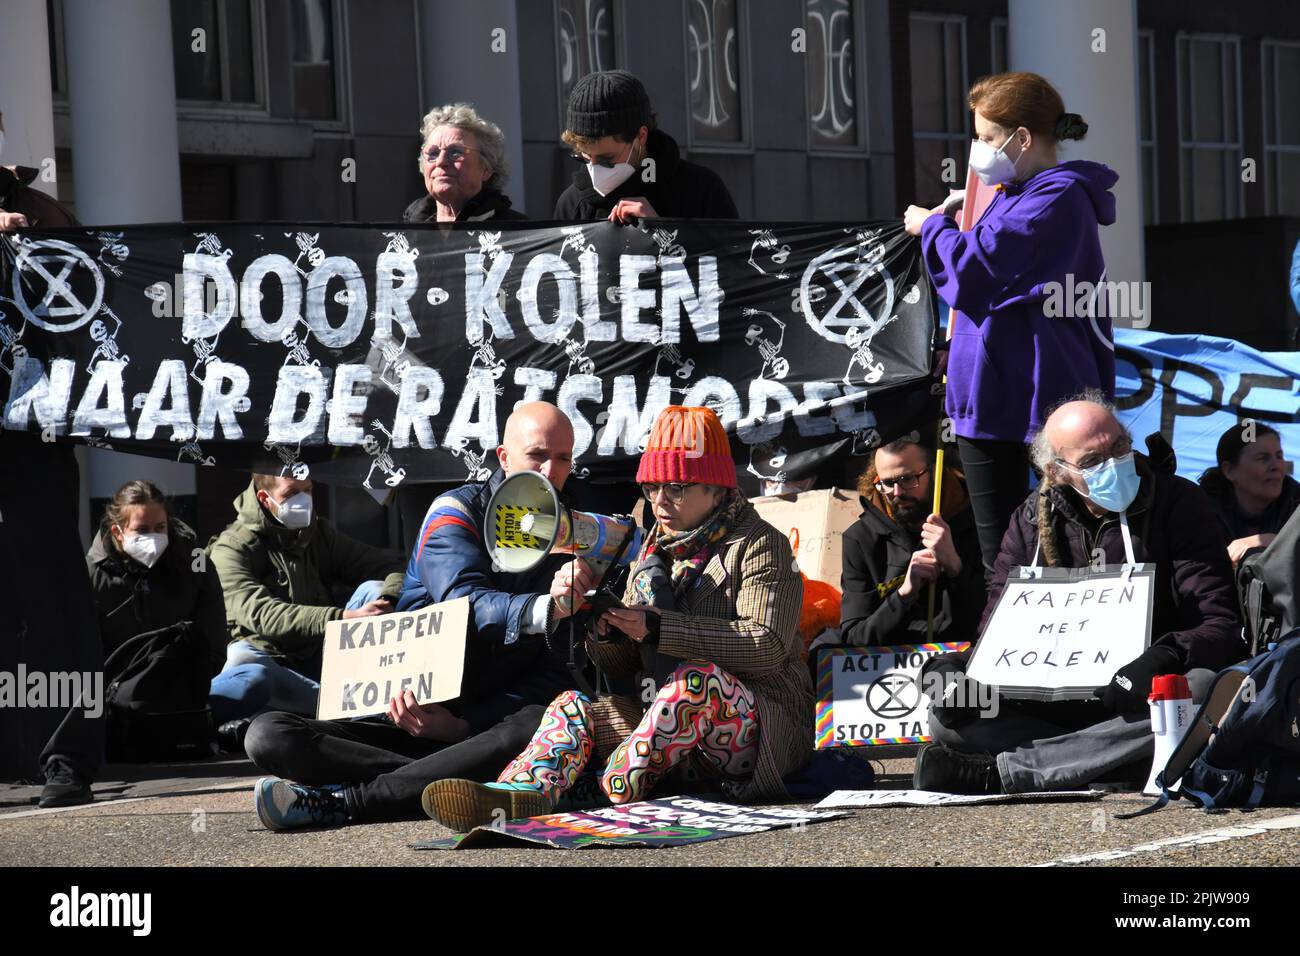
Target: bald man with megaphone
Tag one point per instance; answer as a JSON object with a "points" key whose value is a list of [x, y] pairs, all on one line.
{"points": [[510, 673]]}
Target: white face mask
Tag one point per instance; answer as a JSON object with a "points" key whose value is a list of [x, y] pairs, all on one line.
{"points": [[993, 166], [145, 548], [295, 512], [605, 179]]}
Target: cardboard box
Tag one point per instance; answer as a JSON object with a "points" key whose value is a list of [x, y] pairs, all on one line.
{"points": [[814, 521]]}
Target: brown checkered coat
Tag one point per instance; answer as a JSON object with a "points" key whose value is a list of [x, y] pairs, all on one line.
{"points": [[743, 615]]}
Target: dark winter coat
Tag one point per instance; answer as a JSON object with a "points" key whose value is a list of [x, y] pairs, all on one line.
{"points": [[41, 211], [680, 190], [1173, 526], [1238, 525], [876, 553], [131, 599], [488, 204]]}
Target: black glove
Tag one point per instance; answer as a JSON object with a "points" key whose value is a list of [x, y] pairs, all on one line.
{"points": [[954, 697], [1129, 689]]}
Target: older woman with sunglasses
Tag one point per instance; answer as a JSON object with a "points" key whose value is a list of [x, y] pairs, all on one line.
{"points": [[711, 616], [463, 162]]}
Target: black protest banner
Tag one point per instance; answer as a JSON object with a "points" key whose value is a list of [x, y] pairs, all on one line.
{"points": [[373, 355]]}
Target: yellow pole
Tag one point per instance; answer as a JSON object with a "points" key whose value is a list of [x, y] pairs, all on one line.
{"points": [[965, 220]]}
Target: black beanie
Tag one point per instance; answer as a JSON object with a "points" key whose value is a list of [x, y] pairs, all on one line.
{"points": [[609, 103]]}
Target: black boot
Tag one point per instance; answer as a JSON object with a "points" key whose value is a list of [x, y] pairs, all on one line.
{"points": [[230, 735], [64, 785], [943, 770]]}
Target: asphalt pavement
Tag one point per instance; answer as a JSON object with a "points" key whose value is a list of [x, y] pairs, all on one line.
{"points": [[204, 817]]}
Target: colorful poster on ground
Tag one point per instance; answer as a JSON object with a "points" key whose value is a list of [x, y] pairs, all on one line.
{"points": [[671, 821]]}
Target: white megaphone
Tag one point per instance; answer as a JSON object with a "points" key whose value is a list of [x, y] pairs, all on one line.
{"points": [[527, 522]]}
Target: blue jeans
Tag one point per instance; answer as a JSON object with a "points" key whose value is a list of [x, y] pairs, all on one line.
{"points": [[240, 691], [285, 688]]}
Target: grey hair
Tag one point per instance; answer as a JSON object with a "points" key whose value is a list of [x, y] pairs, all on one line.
{"points": [[1041, 452], [491, 141]]}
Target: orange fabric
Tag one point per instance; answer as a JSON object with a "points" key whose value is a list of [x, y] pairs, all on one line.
{"points": [[821, 609]]}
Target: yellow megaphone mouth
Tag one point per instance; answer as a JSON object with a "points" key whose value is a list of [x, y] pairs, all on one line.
{"points": [[516, 524]]}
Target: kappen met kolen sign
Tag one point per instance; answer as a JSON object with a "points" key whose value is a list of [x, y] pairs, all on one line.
{"points": [[370, 660], [1063, 632]]}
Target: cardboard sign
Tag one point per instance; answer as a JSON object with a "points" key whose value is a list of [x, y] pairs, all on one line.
{"points": [[370, 660], [863, 799], [814, 521], [1064, 632], [872, 696], [671, 821]]}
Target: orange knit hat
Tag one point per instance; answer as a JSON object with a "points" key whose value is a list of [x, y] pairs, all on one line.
{"points": [[687, 445]]}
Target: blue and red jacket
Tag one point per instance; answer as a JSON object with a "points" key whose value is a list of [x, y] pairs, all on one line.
{"points": [[450, 560]]}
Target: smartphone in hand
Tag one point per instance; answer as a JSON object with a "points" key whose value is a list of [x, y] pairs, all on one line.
{"points": [[600, 601]]}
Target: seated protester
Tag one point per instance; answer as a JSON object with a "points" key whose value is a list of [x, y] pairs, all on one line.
{"points": [[712, 607], [1250, 489], [1094, 483], [897, 547], [341, 771], [611, 129], [282, 568], [145, 579]]}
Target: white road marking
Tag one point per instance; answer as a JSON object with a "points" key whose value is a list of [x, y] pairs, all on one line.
{"points": [[1204, 838]]}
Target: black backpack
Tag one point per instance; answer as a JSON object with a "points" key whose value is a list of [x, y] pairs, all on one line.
{"points": [[1268, 584], [157, 696], [1243, 747]]}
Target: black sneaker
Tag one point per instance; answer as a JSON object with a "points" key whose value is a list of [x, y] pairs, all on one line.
{"points": [[943, 770], [230, 735], [64, 786]]}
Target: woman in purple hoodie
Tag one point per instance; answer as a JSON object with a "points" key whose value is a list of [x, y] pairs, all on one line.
{"points": [[1023, 338]]}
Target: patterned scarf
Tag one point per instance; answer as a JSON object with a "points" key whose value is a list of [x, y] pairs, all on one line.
{"points": [[689, 551]]}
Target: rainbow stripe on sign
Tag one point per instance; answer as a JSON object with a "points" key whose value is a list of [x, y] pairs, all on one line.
{"points": [[824, 722]]}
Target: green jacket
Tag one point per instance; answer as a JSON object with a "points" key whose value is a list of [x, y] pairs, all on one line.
{"points": [[282, 586]]}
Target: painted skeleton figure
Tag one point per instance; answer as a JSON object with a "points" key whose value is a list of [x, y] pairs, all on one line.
{"points": [[297, 348], [395, 361], [669, 248], [190, 451], [11, 345], [765, 240], [685, 367], [110, 243], [381, 460], [859, 340], [473, 460], [210, 244], [576, 350], [485, 357], [489, 243], [770, 456], [773, 360], [306, 243], [575, 238], [288, 456], [106, 347]]}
